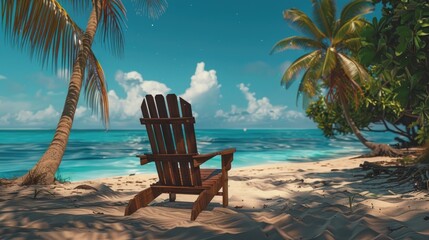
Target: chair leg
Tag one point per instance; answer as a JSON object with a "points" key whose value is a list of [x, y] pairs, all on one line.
{"points": [[225, 189], [142, 199], [172, 197], [201, 203]]}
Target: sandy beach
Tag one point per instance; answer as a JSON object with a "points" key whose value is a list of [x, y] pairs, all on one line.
{"points": [[275, 201]]}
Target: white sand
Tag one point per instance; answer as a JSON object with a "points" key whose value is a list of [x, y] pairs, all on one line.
{"points": [[278, 201]]}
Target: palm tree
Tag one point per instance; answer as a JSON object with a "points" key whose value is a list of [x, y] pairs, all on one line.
{"points": [[330, 63], [50, 34]]}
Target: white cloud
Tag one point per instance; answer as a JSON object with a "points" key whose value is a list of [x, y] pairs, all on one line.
{"points": [[133, 81], [4, 120], [19, 114], [135, 88], [2, 77], [258, 110], [203, 91], [291, 114], [80, 112], [204, 87], [84, 118], [44, 115]]}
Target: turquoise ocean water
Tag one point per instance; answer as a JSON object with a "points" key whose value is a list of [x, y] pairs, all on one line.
{"points": [[95, 154]]}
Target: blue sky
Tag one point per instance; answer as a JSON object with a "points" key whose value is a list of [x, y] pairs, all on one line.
{"points": [[214, 53]]}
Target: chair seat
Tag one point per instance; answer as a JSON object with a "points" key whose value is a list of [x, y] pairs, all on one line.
{"points": [[209, 178], [210, 174]]}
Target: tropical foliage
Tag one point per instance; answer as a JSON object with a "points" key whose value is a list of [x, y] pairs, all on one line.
{"points": [[396, 47], [395, 51], [377, 111], [330, 67]]}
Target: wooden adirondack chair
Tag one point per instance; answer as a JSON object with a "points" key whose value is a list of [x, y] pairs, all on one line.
{"points": [[174, 151]]}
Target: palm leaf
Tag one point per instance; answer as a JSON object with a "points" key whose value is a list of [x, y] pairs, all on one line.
{"points": [[329, 62], [324, 13], [95, 87], [303, 23], [112, 20], [152, 8], [355, 74], [304, 62], [308, 86], [296, 42], [352, 68], [348, 29], [356, 8], [44, 29]]}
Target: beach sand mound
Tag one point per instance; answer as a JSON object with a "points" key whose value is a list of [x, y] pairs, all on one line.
{"points": [[317, 200]]}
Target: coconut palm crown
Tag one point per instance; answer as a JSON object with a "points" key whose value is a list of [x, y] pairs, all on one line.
{"points": [[330, 63], [332, 42]]}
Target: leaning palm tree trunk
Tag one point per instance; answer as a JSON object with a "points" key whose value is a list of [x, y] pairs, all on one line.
{"points": [[44, 171], [377, 148]]}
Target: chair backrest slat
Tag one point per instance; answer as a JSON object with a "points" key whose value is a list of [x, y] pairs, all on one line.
{"points": [[173, 108], [177, 128], [173, 168], [152, 140], [190, 139], [159, 139]]}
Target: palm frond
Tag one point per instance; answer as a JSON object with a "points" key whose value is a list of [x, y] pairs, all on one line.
{"points": [[95, 87], [349, 29], [329, 62], [308, 86], [112, 21], [354, 75], [152, 8], [296, 42], [303, 23], [44, 29], [345, 80], [324, 12], [352, 68], [310, 81], [304, 62], [356, 8]]}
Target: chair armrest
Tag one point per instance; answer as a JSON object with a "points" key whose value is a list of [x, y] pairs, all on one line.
{"points": [[227, 160], [143, 159], [201, 158]]}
